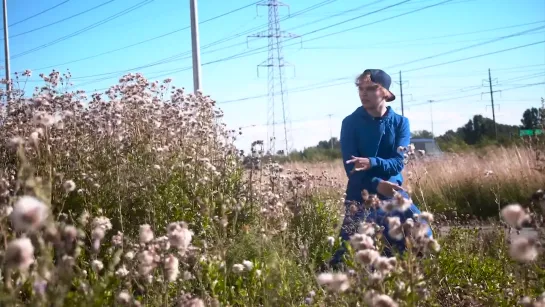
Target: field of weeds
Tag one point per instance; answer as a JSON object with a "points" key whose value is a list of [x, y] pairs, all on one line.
{"points": [[462, 186], [138, 198]]}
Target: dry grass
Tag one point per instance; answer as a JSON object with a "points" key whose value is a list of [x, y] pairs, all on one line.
{"points": [[469, 183]]}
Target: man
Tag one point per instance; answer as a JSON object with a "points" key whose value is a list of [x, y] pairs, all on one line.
{"points": [[370, 140]]}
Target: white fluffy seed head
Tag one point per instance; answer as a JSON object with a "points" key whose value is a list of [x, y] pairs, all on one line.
{"points": [[238, 268], [69, 186], [367, 256], [124, 297], [179, 236], [29, 214], [523, 249], [146, 234], [335, 282], [514, 215], [19, 254], [97, 265]]}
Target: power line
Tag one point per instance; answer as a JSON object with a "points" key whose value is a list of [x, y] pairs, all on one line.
{"points": [[469, 47], [257, 50], [37, 14], [99, 23], [472, 88], [439, 64], [62, 20], [303, 120], [335, 15], [243, 54], [458, 34], [395, 45], [372, 23], [477, 72], [479, 94], [165, 60], [478, 56], [185, 28]]}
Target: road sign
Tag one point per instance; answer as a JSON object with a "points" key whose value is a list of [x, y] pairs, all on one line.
{"points": [[528, 132]]}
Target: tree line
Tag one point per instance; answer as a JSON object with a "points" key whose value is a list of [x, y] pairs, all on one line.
{"points": [[478, 132]]}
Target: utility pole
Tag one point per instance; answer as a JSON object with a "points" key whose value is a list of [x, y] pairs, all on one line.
{"points": [[6, 48], [194, 45], [330, 131], [401, 93], [431, 116], [492, 103]]}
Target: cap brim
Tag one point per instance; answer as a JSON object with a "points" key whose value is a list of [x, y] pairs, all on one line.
{"points": [[392, 97]]}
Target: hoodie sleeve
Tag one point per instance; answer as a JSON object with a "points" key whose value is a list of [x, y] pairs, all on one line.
{"points": [[394, 165], [348, 144]]}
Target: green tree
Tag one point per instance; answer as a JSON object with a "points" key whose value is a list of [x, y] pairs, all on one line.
{"points": [[331, 144], [532, 118]]}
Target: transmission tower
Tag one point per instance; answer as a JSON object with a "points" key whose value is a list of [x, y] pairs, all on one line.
{"points": [[276, 75]]}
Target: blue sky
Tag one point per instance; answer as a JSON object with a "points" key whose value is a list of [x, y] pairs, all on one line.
{"points": [[417, 44]]}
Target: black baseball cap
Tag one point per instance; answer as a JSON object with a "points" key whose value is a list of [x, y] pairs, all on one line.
{"points": [[378, 76]]}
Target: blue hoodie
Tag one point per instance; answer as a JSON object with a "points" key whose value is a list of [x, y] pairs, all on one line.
{"points": [[377, 139]]}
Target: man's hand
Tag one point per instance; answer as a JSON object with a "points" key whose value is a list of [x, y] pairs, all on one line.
{"points": [[360, 164], [387, 188]]}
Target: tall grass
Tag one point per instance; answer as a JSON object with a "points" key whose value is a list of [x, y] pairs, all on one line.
{"points": [[138, 197], [474, 184]]}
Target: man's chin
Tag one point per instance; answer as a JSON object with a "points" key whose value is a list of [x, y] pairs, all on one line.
{"points": [[366, 106]]}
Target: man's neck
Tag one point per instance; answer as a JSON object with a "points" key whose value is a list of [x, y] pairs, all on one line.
{"points": [[378, 112]]}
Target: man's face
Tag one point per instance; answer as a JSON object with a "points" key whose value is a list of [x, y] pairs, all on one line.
{"points": [[370, 95]]}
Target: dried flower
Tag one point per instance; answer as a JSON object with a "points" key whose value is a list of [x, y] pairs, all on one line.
{"points": [[179, 236], [69, 186], [367, 256], [384, 264], [335, 282], [402, 204], [123, 297], [146, 261], [426, 217], [19, 254], [514, 215], [361, 241], [434, 246], [331, 241], [97, 265], [29, 214], [248, 265], [384, 300], [122, 271], [146, 234], [171, 267], [367, 229], [101, 222], [238, 268], [129, 255], [524, 249], [117, 240]]}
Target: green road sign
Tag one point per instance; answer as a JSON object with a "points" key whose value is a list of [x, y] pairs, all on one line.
{"points": [[528, 132]]}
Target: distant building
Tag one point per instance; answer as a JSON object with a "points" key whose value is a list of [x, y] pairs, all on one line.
{"points": [[427, 145]]}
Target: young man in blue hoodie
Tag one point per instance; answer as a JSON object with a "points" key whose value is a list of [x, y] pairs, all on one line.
{"points": [[370, 140]]}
